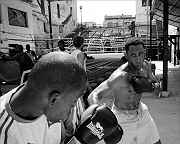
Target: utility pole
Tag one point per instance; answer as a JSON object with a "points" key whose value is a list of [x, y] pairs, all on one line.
{"points": [[147, 13], [123, 22], [50, 24], [150, 29], [165, 45], [81, 14]]}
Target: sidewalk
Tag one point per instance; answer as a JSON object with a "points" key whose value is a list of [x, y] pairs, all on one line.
{"points": [[165, 111]]}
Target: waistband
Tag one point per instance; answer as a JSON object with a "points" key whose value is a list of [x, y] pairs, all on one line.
{"points": [[130, 112]]}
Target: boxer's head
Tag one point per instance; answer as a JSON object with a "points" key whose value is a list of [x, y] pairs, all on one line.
{"points": [[135, 52], [57, 80], [19, 48], [78, 42], [61, 45]]}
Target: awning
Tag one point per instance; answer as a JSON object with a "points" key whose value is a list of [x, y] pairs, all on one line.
{"points": [[174, 11]]}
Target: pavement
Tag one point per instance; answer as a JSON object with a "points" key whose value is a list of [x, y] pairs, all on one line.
{"points": [[164, 111]]}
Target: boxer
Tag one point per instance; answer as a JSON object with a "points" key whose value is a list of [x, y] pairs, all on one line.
{"points": [[126, 86]]}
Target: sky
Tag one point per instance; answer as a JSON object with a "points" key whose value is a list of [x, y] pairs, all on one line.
{"points": [[95, 10]]}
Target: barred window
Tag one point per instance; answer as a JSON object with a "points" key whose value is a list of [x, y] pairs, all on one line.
{"points": [[144, 3], [17, 17]]}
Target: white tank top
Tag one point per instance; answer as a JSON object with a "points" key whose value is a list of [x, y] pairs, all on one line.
{"points": [[75, 53], [30, 55]]}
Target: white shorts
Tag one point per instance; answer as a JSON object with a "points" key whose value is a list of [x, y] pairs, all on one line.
{"points": [[138, 125]]}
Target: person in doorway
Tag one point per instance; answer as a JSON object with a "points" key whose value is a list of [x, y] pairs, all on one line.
{"points": [[126, 86], [31, 53], [78, 53], [25, 62], [178, 57]]}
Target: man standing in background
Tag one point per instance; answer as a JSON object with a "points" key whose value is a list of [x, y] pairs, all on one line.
{"points": [[31, 53], [81, 56]]}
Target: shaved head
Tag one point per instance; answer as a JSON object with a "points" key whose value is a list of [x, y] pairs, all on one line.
{"points": [[57, 71]]}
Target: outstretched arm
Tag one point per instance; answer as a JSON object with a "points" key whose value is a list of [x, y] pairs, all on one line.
{"points": [[98, 93], [10, 58], [105, 89]]}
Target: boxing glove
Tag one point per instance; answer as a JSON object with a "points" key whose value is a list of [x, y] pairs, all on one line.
{"points": [[97, 123], [115, 136], [142, 84]]}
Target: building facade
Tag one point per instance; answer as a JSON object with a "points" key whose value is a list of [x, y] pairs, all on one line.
{"points": [[117, 24], [117, 20], [27, 22]]}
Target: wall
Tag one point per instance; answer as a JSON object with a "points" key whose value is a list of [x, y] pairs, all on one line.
{"points": [[38, 25], [8, 32], [119, 20], [141, 12], [61, 26]]}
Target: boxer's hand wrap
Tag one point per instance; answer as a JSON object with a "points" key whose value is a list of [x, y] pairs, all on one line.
{"points": [[97, 123], [115, 136], [142, 84]]}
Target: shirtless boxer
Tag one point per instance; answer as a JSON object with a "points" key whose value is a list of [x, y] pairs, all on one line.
{"points": [[126, 85]]}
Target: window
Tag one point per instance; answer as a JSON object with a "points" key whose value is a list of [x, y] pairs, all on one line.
{"points": [[17, 17], [144, 3], [46, 28], [58, 11], [110, 24], [71, 10], [61, 29]]}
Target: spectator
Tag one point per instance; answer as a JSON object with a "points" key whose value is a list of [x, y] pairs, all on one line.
{"points": [[81, 56], [31, 53], [61, 45]]}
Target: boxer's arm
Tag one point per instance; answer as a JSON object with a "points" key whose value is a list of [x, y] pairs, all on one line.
{"points": [[10, 58], [101, 91], [106, 88]]}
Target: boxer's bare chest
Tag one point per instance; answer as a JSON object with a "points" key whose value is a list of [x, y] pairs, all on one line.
{"points": [[125, 96]]}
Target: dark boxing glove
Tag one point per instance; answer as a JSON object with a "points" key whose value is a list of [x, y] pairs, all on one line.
{"points": [[142, 84], [97, 123], [115, 136]]}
